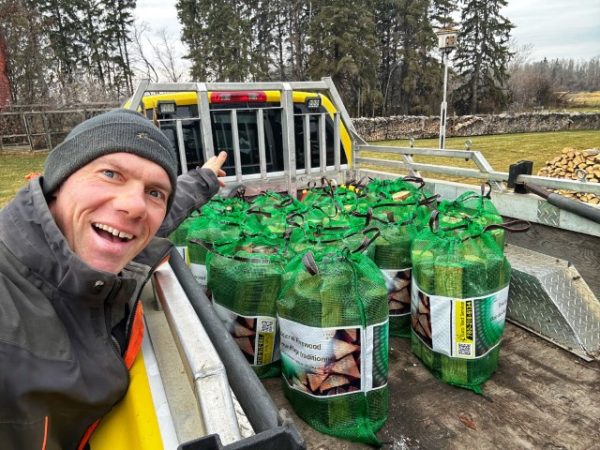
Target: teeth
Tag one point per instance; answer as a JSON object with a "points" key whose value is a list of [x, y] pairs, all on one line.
{"points": [[114, 231]]}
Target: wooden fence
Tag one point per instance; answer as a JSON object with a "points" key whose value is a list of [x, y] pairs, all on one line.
{"points": [[38, 127]]}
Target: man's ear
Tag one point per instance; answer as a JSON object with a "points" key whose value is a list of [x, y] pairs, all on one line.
{"points": [[51, 197]]}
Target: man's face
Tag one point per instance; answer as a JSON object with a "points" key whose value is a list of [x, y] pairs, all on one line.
{"points": [[111, 208]]}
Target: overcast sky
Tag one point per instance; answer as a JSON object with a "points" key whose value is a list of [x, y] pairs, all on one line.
{"points": [[555, 28]]}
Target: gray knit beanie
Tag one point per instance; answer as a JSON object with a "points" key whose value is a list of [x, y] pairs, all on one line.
{"points": [[120, 130]]}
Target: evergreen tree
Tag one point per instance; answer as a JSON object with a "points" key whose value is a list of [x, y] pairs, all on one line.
{"points": [[440, 13], [27, 64], [62, 27], [291, 22], [298, 15], [87, 42], [117, 20], [482, 57], [342, 43], [96, 58], [218, 36], [386, 14], [263, 48], [408, 74]]}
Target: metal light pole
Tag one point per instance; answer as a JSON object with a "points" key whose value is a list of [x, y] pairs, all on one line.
{"points": [[446, 42]]}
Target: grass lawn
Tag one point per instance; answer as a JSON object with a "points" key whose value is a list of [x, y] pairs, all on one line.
{"points": [[14, 168], [502, 150]]}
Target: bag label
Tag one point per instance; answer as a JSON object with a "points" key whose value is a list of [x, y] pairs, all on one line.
{"points": [[334, 361], [398, 283], [256, 336], [183, 252], [456, 327], [200, 273]]}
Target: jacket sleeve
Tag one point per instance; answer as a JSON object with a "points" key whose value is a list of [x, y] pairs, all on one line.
{"points": [[194, 189]]}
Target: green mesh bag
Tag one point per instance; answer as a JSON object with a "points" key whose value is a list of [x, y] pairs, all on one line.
{"points": [[396, 190], [399, 197], [179, 237], [264, 223], [273, 202], [316, 237], [315, 194], [204, 231], [244, 278], [276, 223], [219, 206], [351, 198], [392, 255], [458, 304], [478, 207], [331, 216], [333, 201], [333, 319]]}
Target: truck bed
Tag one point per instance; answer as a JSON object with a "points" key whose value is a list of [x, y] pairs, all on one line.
{"points": [[541, 397]]}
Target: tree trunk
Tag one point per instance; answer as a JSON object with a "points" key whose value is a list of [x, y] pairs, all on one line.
{"points": [[5, 94]]}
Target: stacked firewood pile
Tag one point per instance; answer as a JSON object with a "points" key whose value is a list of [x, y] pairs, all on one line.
{"points": [[576, 165]]}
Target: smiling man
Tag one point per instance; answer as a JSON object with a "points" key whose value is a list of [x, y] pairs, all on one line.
{"points": [[76, 247], [111, 208]]}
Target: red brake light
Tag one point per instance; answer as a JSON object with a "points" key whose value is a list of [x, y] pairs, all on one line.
{"points": [[238, 97]]}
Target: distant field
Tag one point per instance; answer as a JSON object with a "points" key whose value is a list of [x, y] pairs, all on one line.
{"points": [[584, 99], [584, 102], [499, 150]]}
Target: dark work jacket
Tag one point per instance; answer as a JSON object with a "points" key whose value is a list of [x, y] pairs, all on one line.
{"points": [[64, 326]]}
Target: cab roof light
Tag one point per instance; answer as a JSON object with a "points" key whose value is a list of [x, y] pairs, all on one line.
{"points": [[166, 107], [238, 97], [313, 102]]}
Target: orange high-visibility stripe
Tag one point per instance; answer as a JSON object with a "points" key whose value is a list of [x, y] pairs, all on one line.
{"points": [[133, 348], [88, 434], [137, 335], [45, 441]]}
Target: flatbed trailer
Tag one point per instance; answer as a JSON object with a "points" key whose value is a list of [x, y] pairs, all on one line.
{"points": [[545, 393]]}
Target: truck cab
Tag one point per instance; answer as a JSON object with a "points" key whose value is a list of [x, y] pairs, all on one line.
{"points": [[257, 117]]}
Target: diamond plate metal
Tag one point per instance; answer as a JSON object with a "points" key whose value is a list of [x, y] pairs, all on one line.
{"points": [[548, 214], [548, 296]]}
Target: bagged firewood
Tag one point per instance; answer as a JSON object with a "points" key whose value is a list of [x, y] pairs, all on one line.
{"points": [[392, 255], [244, 278], [221, 218], [333, 319], [475, 207], [458, 301], [179, 238], [204, 231]]}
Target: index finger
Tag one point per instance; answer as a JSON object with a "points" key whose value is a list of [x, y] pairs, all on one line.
{"points": [[221, 157]]}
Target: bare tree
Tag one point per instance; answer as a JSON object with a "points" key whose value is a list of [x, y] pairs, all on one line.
{"points": [[169, 61], [520, 80], [142, 65], [155, 55]]}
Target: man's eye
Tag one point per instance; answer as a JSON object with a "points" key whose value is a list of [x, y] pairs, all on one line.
{"points": [[109, 173], [157, 194]]}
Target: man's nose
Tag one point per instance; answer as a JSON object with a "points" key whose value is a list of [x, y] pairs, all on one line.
{"points": [[132, 200]]}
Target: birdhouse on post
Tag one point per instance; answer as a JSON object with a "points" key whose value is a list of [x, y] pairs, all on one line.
{"points": [[447, 39]]}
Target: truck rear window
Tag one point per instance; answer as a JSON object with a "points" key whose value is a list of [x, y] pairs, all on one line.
{"points": [[247, 135]]}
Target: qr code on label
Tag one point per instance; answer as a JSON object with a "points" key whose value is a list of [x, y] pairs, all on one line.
{"points": [[464, 349], [266, 326]]}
